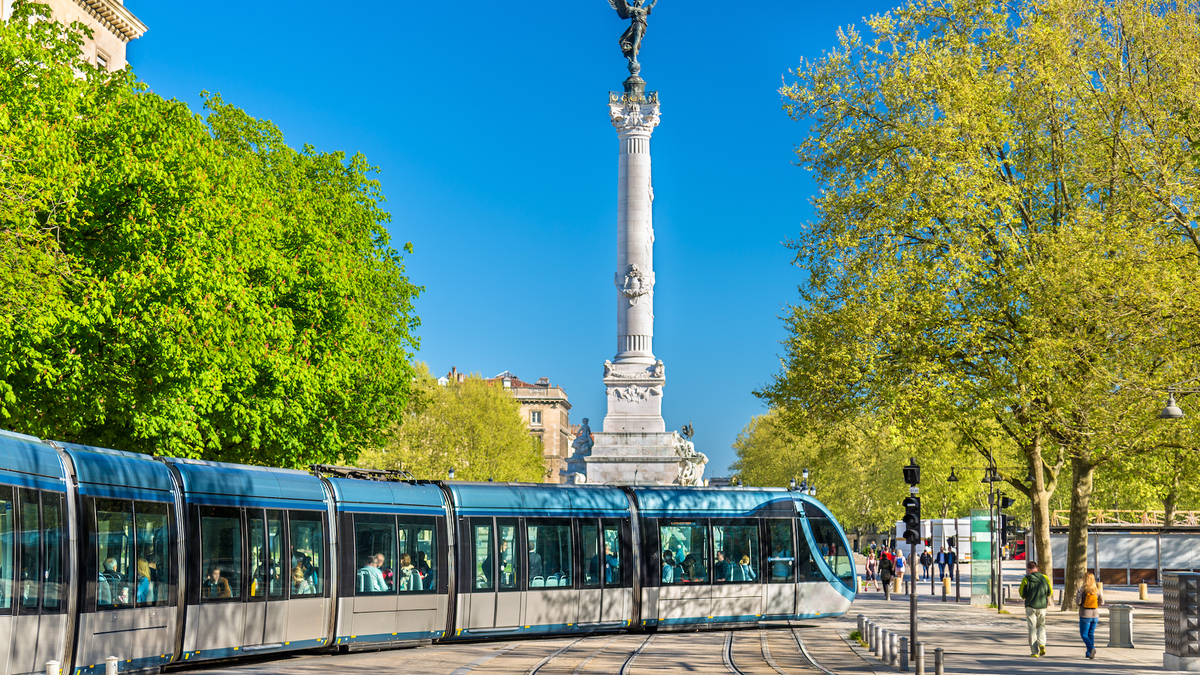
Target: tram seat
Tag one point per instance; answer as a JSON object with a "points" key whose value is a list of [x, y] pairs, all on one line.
{"points": [[537, 582]]}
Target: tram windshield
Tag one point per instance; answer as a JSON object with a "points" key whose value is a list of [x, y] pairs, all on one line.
{"points": [[833, 549]]}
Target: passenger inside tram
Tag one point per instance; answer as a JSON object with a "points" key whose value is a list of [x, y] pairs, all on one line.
{"points": [[668, 570], [612, 565], [215, 585], [723, 569]]}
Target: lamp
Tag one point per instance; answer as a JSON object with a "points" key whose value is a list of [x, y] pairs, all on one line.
{"points": [[1172, 411], [1030, 478], [952, 478], [739, 482], [812, 491], [804, 474], [792, 483], [451, 473]]}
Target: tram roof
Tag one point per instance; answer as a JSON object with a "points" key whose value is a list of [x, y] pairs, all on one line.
{"points": [[386, 496], [243, 485], [545, 499], [103, 472], [28, 460], [668, 502]]}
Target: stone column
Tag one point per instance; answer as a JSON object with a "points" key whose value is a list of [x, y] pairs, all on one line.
{"points": [[634, 378], [634, 114]]}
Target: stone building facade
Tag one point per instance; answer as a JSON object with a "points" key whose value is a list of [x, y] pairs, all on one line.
{"points": [[546, 411], [113, 26]]}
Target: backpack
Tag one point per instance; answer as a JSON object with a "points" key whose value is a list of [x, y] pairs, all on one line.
{"points": [[1090, 601]]}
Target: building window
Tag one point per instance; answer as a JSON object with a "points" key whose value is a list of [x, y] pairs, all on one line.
{"points": [[102, 60], [535, 417]]}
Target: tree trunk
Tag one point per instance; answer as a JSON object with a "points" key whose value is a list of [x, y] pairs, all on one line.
{"points": [[1082, 473], [1170, 504], [1039, 499]]}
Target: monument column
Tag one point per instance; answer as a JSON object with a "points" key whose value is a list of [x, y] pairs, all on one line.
{"points": [[634, 114], [634, 379], [634, 447]]}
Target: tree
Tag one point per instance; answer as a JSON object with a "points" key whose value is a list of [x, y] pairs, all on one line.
{"points": [[1002, 222], [856, 467], [472, 427], [186, 286]]}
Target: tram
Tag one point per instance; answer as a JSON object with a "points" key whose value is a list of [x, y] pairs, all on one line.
{"points": [[162, 561]]}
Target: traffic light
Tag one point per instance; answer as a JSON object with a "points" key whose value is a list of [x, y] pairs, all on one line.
{"points": [[928, 542], [912, 472], [1007, 502], [950, 542], [912, 519]]}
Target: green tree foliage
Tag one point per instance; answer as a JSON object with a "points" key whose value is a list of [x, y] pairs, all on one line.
{"points": [[855, 466], [474, 427], [1003, 229], [186, 285]]}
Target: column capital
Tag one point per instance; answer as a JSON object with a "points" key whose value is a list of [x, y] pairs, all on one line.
{"points": [[633, 113]]}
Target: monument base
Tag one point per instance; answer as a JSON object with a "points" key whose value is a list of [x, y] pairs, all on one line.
{"points": [[633, 458], [1190, 664]]}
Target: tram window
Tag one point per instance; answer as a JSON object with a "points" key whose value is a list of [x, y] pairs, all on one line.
{"points": [[592, 565], [781, 557], [375, 547], [418, 554], [30, 552], [806, 565], [220, 553], [6, 549], [258, 569], [510, 562], [550, 559], [613, 574], [830, 546], [736, 552], [684, 552], [308, 553], [481, 532], [113, 543], [275, 572], [153, 538], [52, 535]]}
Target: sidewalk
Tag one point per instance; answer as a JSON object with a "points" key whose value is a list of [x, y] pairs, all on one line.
{"points": [[977, 640]]}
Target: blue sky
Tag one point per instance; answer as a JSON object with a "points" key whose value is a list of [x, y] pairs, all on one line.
{"points": [[489, 123]]}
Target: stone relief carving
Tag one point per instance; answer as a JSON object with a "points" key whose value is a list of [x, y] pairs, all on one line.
{"points": [[659, 369], [633, 117], [634, 393], [635, 284], [691, 462], [608, 369]]}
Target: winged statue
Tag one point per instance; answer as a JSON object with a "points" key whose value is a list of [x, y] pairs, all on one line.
{"points": [[631, 39]]}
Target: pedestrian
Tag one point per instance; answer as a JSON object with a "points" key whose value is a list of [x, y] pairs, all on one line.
{"points": [[900, 562], [926, 563], [1035, 589], [952, 562], [942, 558], [872, 570], [886, 572], [1089, 599]]}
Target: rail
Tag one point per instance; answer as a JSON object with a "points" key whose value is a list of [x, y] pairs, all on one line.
{"points": [[1062, 517]]}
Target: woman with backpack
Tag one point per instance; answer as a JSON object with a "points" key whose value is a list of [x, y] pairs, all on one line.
{"points": [[1089, 599], [886, 572]]}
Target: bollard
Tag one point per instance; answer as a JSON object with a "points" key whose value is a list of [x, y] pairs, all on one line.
{"points": [[1120, 626], [939, 662], [869, 636], [903, 655], [892, 650], [881, 644], [110, 665], [861, 625], [920, 664], [875, 640], [945, 588], [1143, 592], [53, 668]]}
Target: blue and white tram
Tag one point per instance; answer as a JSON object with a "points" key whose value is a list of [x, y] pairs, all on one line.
{"points": [[160, 561]]}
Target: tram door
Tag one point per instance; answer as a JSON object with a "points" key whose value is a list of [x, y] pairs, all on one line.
{"points": [[38, 622], [781, 567], [266, 613], [602, 594], [495, 574]]}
